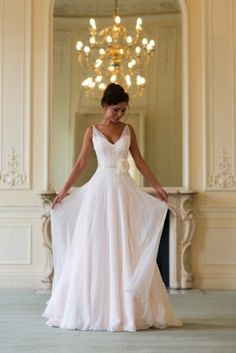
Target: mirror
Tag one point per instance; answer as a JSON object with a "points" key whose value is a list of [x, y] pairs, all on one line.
{"points": [[156, 116]]}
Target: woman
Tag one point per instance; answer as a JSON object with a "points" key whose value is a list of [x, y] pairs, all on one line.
{"points": [[106, 235]]}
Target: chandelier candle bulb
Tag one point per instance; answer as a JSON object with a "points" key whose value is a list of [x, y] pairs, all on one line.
{"points": [[92, 40], [98, 78], [102, 86], [128, 80], [109, 39], [117, 20], [149, 47], [139, 21], [92, 84], [138, 50], [140, 80], [79, 45], [86, 50], [144, 41], [98, 63], [113, 78], [129, 40], [102, 51], [86, 82], [93, 23], [139, 24], [152, 43]]}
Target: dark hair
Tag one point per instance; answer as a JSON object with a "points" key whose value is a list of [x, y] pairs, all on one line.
{"points": [[114, 94]]}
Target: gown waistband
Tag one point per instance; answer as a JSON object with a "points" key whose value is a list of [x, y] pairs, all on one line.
{"points": [[121, 165]]}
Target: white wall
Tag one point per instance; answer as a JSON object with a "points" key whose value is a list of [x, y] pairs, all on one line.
{"points": [[25, 106]]}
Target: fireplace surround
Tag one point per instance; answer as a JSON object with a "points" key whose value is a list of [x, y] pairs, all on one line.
{"points": [[181, 231]]}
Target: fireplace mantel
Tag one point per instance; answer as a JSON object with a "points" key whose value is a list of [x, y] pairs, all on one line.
{"points": [[181, 230]]}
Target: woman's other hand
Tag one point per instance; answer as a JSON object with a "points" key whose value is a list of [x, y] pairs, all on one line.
{"points": [[162, 194], [58, 199]]}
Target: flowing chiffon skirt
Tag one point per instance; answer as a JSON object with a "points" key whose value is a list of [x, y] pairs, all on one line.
{"points": [[105, 241]]}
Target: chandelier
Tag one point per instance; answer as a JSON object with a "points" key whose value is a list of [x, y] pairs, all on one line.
{"points": [[114, 55]]}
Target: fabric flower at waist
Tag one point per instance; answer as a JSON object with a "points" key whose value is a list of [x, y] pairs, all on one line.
{"points": [[122, 166]]}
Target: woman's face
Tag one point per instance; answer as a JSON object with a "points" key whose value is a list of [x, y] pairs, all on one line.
{"points": [[115, 112]]}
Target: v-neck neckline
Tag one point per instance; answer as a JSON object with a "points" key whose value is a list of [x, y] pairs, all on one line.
{"points": [[105, 137]]}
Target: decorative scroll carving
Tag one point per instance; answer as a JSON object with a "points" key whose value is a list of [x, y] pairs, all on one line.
{"points": [[47, 276], [181, 230], [13, 175], [188, 227], [222, 177]]}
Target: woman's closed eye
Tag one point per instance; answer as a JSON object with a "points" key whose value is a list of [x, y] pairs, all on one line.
{"points": [[117, 110]]}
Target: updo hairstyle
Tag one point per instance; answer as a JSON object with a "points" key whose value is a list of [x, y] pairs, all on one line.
{"points": [[114, 94]]}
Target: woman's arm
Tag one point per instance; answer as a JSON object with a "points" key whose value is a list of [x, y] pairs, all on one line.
{"points": [[78, 166], [143, 167]]}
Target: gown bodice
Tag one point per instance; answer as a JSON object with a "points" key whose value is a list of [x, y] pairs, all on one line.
{"points": [[109, 154]]}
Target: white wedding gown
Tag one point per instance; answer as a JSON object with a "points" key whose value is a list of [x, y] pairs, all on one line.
{"points": [[105, 240]]}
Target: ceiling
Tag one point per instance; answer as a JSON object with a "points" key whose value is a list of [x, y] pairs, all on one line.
{"points": [[90, 8]]}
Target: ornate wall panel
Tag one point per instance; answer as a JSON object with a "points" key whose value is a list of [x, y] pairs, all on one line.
{"points": [[220, 48], [216, 237], [15, 244], [223, 235], [15, 70]]}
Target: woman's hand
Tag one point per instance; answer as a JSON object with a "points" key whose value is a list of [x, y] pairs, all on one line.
{"points": [[59, 198], [161, 193]]}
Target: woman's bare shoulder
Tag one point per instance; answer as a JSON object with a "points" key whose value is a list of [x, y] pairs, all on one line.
{"points": [[89, 132], [131, 128], [89, 129]]}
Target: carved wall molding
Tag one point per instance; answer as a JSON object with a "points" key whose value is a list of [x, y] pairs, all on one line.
{"points": [[188, 225], [47, 275], [181, 231], [15, 99], [19, 212], [220, 117], [222, 176], [13, 175]]}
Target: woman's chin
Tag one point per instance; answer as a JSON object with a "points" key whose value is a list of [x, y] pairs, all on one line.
{"points": [[114, 120]]}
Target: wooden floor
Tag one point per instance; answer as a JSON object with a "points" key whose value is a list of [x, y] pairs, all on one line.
{"points": [[209, 327]]}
